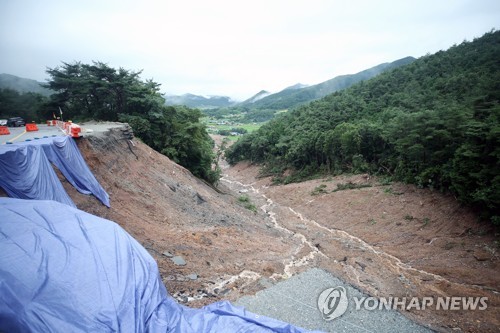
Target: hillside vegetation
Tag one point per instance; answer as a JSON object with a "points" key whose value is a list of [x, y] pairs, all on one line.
{"points": [[98, 92], [20, 97], [16, 104], [434, 123]]}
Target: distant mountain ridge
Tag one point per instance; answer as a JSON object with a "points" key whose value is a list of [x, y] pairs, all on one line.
{"points": [[23, 85], [300, 94], [289, 97], [260, 95], [200, 102], [297, 86]]}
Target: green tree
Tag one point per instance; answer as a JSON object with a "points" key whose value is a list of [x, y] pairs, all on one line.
{"points": [[97, 91], [27, 105]]}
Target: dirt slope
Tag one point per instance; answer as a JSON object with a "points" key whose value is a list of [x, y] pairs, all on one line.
{"points": [[226, 247]]}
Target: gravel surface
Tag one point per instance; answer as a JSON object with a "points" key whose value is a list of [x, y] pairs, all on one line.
{"points": [[295, 301]]}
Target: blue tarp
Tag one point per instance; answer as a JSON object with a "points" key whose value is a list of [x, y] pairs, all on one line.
{"points": [[26, 173], [64, 270]]}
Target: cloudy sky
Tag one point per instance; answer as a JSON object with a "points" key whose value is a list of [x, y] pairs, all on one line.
{"points": [[229, 47]]}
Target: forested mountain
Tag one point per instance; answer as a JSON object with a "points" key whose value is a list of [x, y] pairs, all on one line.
{"points": [[200, 102], [434, 122], [300, 94], [22, 85], [26, 105], [20, 97]]}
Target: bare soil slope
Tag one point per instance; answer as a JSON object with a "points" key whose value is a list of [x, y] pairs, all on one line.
{"points": [[226, 247]]}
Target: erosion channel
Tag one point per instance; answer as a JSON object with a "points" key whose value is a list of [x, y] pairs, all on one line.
{"points": [[386, 239]]}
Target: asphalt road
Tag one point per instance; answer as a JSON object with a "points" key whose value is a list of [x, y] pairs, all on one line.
{"points": [[18, 134], [296, 301]]}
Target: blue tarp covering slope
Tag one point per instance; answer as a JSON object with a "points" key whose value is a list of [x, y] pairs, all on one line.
{"points": [[27, 175], [64, 270]]}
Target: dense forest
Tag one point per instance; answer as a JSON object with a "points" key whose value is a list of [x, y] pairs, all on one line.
{"points": [[99, 92], [27, 105], [434, 123]]}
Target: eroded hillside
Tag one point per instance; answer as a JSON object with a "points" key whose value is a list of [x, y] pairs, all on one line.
{"points": [[226, 247], [385, 239]]}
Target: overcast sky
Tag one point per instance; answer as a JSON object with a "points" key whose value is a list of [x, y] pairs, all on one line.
{"points": [[229, 47]]}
